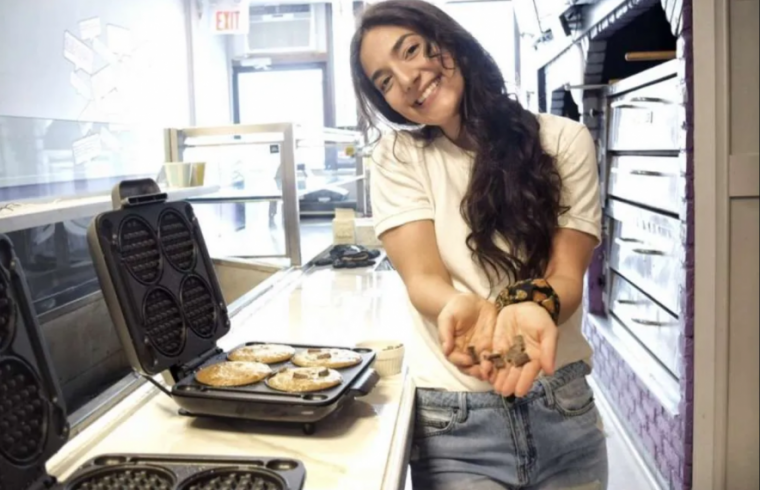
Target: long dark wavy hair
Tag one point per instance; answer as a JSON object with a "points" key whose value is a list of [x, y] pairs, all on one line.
{"points": [[515, 188]]}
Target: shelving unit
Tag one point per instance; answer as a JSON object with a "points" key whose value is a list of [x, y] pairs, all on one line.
{"points": [[242, 142]]}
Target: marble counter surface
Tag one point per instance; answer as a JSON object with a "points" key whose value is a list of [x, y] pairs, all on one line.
{"points": [[363, 446]]}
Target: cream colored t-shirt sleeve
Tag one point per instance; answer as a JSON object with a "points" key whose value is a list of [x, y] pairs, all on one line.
{"points": [[396, 188], [577, 165]]}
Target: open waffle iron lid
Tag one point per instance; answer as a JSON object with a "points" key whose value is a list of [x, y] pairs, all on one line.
{"points": [[33, 425], [157, 278]]}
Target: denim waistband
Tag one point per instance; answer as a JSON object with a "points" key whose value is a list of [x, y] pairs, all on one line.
{"points": [[488, 399]]}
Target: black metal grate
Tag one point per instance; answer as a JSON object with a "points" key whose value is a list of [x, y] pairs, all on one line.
{"points": [[163, 322], [233, 479], [139, 250], [177, 241], [198, 306], [7, 314], [145, 478], [23, 412]]}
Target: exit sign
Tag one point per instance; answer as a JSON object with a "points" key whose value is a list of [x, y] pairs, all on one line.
{"points": [[230, 18]]}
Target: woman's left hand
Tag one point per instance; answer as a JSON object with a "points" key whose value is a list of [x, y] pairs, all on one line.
{"points": [[540, 334]]}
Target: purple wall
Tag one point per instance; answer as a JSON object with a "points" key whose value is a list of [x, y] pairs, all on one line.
{"points": [[658, 432], [667, 439], [686, 53]]}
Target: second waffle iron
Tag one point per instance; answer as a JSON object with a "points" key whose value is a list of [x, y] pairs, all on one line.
{"points": [[166, 303]]}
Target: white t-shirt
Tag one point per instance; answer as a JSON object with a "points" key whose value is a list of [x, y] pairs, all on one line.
{"points": [[411, 182]]}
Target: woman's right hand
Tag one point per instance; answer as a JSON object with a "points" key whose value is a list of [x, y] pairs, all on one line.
{"points": [[467, 320]]}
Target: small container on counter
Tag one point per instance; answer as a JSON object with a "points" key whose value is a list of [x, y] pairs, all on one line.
{"points": [[389, 355]]}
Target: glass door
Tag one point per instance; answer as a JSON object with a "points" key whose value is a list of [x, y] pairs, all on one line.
{"points": [[251, 224], [275, 95]]}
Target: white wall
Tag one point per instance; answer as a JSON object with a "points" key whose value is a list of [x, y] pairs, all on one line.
{"points": [[151, 80], [211, 103], [743, 432], [492, 24], [344, 26]]}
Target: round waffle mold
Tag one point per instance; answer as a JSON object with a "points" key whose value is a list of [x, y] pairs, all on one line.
{"points": [[163, 322], [123, 478], [177, 240], [234, 479], [7, 314], [23, 412], [139, 250], [198, 306]]}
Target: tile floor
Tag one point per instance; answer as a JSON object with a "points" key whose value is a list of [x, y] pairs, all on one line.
{"points": [[627, 470]]}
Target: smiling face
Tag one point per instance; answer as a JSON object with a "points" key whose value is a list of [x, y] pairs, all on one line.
{"points": [[415, 78]]}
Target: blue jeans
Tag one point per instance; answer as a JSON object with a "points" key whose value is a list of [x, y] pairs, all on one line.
{"points": [[552, 439]]}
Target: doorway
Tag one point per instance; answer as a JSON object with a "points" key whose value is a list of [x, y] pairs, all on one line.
{"points": [[281, 93]]}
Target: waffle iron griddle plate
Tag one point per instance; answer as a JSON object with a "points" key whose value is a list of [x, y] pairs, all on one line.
{"points": [[155, 472], [33, 424], [161, 289], [260, 402], [32, 415]]}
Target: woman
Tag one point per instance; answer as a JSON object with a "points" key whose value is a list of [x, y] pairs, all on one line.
{"points": [[491, 215]]}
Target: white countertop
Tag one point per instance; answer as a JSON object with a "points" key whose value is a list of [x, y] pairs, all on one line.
{"points": [[363, 446]]}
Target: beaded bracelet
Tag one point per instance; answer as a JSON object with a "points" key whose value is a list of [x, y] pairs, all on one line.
{"points": [[536, 290]]}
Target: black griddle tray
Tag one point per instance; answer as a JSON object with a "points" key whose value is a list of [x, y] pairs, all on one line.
{"points": [[33, 421], [157, 278], [260, 402], [170, 472]]}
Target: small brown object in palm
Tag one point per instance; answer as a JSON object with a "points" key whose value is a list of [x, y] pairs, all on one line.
{"points": [[521, 360], [473, 354], [497, 360], [516, 354]]}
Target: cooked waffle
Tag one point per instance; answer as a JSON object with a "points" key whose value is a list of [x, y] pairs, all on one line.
{"points": [[228, 374], [304, 379], [329, 358], [266, 353]]}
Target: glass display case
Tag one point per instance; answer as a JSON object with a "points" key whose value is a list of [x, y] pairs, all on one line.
{"points": [[271, 177], [55, 176], [50, 158]]}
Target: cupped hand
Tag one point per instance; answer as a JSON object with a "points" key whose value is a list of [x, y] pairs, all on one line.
{"points": [[540, 334], [467, 320]]}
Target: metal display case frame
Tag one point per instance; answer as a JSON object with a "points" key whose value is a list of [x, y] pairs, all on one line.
{"points": [[289, 137]]}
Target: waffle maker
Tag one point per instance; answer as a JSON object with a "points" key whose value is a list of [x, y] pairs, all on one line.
{"points": [[165, 301], [33, 422]]}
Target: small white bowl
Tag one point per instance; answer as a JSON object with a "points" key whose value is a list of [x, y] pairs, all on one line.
{"points": [[389, 355]]}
